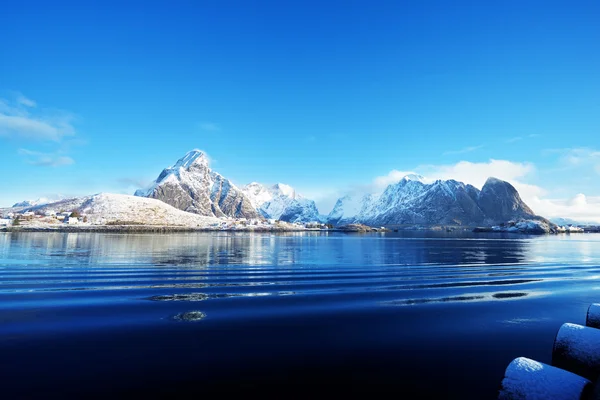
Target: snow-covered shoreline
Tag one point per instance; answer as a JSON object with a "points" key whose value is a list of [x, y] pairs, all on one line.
{"points": [[152, 229], [108, 212]]}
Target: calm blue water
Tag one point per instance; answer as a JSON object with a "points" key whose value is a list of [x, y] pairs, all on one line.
{"points": [[439, 313]]}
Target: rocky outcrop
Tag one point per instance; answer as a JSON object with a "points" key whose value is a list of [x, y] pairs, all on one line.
{"points": [[499, 201]]}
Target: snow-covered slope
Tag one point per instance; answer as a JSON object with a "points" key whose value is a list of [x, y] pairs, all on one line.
{"points": [[190, 185], [108, 207], [281, 202], [64, 205], [412, 201], [347, 208]]}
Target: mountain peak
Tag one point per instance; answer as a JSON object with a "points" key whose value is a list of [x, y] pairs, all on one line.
{"points": [[492, 180], [194, 157], [413, 177], [285, 190]]}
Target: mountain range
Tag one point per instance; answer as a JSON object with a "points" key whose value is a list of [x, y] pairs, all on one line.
{"points": [[444, 202], [190, 185]]}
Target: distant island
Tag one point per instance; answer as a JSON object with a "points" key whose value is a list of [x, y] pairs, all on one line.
{"points": [[191, 196]]}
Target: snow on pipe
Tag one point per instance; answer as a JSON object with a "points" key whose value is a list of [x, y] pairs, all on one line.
{"points": [[577, 349], [593, 316], [526, 379]]}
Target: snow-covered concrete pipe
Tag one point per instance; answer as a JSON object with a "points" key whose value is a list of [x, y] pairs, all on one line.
{"points": [[577, 349], [526, 379], [593, 316]]}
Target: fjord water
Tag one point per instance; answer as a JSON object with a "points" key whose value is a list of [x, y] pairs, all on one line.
{"points": [[439, 313]]}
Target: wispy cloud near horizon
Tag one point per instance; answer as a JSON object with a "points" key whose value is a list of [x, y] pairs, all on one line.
{"points": [[463, 150], [514, 139], [21, 119], [45, 159], [25, 101]]}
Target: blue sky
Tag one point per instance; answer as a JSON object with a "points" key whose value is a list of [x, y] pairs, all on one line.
{"points": [[325, 96]]}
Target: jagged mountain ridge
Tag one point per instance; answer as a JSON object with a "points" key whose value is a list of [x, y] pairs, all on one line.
{"points": [[444, 202], [281, 202], [570, 221], [190, 185], [38, 202]]}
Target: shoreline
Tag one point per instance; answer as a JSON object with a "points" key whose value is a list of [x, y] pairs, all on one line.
{"points": [[263, 229], [149, 229], [189, 229]]}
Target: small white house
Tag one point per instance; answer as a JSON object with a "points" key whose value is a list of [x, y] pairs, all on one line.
{"points": [[71, 220]]}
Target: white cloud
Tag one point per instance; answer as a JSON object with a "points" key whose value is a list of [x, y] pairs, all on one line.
{"points": [[477, 173], [394, 176], [581, 157], [324, 199], [137, 183], [29, 128], [580, 207], [19, 120], [514, 139], [25, 101], [463, 151], [45, 159]]}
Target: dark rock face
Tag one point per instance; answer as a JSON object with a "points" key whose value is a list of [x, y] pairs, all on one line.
{"points": [[190, 185], [500, 201], [178, 197]]}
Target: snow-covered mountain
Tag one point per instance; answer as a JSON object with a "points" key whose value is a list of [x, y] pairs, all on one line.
{"points": [[347, 208], [569, 221], [447, 202], [38, 202], [190, 185], [281, 202]]}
